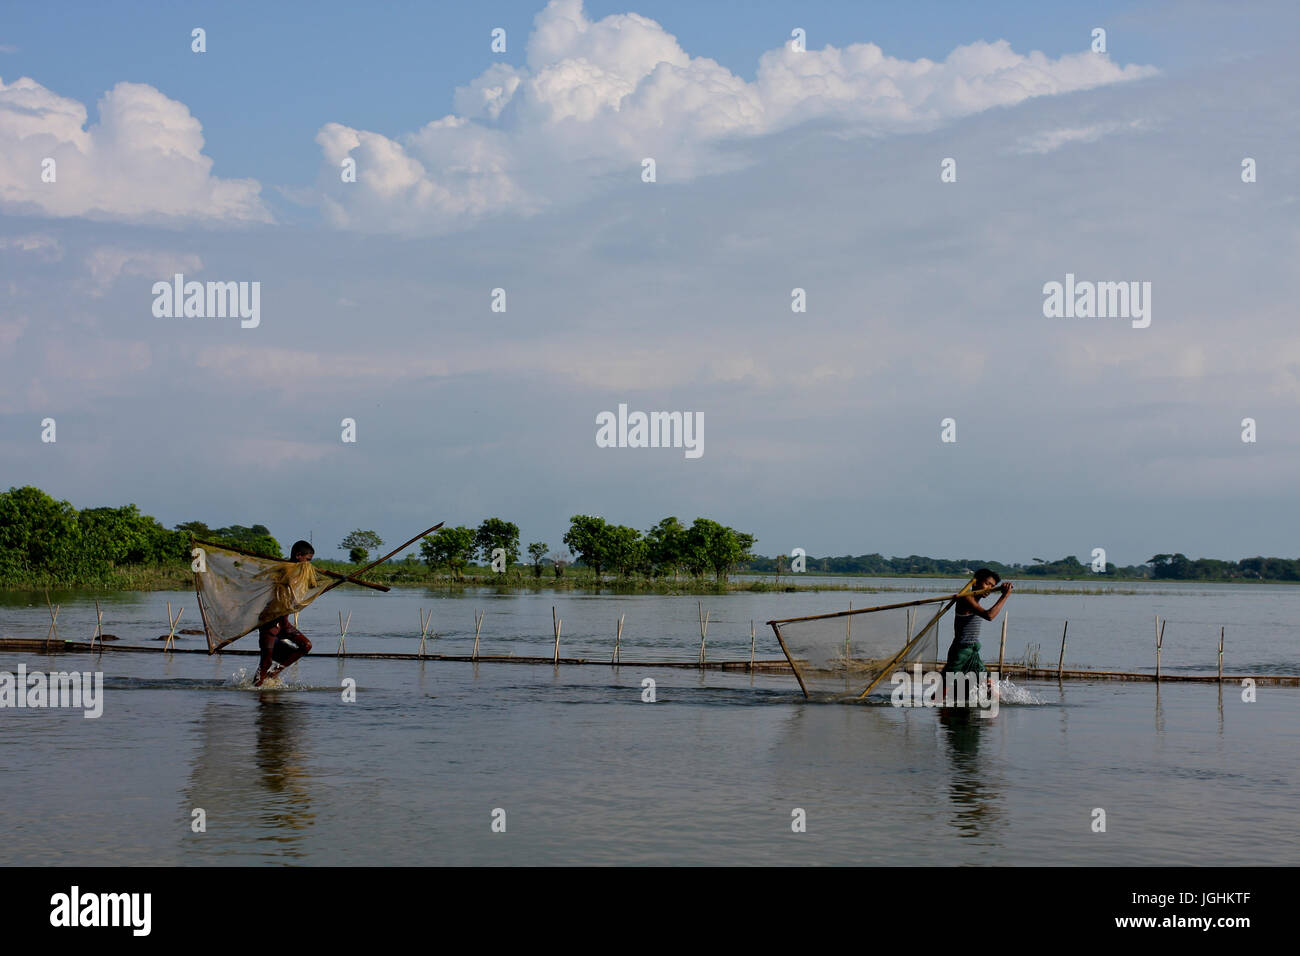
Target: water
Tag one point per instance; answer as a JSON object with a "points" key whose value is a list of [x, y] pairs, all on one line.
{"points": [[586, 772]]}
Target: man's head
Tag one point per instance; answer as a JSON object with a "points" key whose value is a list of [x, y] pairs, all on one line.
{"points": [[302, 551], [985, 579]]}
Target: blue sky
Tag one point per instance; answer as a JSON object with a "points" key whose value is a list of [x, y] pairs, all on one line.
{"points": [[776, 170]]}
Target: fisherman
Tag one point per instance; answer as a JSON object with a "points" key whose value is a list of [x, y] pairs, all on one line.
{"points": [[280, 641], [964, 654]]}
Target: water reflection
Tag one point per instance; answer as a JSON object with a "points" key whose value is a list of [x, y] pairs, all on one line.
{"points": [[972, 793], [254, 787]]}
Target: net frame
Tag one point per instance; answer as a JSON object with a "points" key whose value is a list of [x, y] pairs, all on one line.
{"points": [[948, 600]]}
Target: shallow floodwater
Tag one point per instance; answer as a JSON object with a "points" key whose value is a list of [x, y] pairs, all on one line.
{"points": [[711, 772]]}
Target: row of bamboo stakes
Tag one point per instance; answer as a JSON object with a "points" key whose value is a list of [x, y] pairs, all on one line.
{"points": [[426, 634]]}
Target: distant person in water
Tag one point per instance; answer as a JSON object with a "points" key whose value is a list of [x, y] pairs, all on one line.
{"points": [[964, 654], [282, 643]]}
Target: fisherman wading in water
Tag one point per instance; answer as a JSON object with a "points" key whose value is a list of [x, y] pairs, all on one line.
{"points": [[280, 641], [964, 654]]}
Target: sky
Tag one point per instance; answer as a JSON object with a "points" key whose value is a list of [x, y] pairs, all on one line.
{"points": [[776, 169]]}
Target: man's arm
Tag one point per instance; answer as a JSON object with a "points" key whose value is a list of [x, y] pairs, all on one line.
{"points": [[970, 605]]}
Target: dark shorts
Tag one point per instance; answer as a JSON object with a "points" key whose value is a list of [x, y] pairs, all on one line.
{"points": [[963, 659], [282, 638]]}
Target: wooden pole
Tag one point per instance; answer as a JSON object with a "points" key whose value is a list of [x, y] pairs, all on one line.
{"points": [[99, 631], [751, 644], [1220, 652], [1160, 642], [353, 577], [343, 631], [848, 634], [704, 628], [1060, 663], [171, 633], [887, 607], [53, 632], [556, 623], [424, 627], [618, 638], [478, 626], [1002, 647], [894, 660]]}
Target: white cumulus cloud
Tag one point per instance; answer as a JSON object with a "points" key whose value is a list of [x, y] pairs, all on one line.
{"points": [[142, 162], [596, 97]]}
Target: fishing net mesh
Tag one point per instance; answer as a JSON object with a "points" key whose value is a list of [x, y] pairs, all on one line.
{"points": [[846, 652], [238, 592]]}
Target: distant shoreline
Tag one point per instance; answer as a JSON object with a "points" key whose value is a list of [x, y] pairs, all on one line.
{"points": [[407, 575]]}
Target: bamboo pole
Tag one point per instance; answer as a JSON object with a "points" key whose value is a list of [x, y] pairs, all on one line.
{"points": [[171, 633], [848, 634], [53, 632], [751, 644], [378, 561], [618, 638], [886, 607], [343, 631], [1002, 646], [704, 629], [1160, 643], [424, 628], [352, 578], [952, 599], [99, 631], [1060, 663], [556, 623], [478, 626], [1220, 652]]}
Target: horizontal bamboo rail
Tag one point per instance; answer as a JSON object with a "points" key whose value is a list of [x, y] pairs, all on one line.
{"points": [[767, 666]]}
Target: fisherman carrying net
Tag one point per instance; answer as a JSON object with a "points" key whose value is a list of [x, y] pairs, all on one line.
{"points": [[964, 654], [281, 643]]}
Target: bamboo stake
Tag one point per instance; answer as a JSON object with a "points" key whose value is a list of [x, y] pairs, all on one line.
{"points": [[1160, 642], [848, 634], [53, 632], [171, 633], [618, 638], [99, 631], [478, 626], [1060, 663], [343, 631], [1220, 652], [424, 628], [556, 623], [751, 644], [1002, 647], [704, 629]]}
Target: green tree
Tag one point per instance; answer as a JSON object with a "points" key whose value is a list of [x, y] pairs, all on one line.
{"points": [[359, 544], [665, 545], [452, 547], [495, 533], [537, 551], [38, 535], [715, 547], [256, 539], [123, 535], [624, 549], [588, 539]]}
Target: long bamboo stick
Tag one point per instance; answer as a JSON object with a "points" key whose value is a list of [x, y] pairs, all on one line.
{"points": [[751, 644], [379, 561], [353, 578], [618, 638], [1002, 647], [920, 635], [478, 626], [884, 607], [99, 632]]}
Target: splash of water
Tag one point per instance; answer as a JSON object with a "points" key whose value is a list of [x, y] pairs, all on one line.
{"points": [[1009, 693], [242, 679]]}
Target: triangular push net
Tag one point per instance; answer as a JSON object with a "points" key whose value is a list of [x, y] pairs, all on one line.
{"points": [[238, 591], [850, 653]]}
